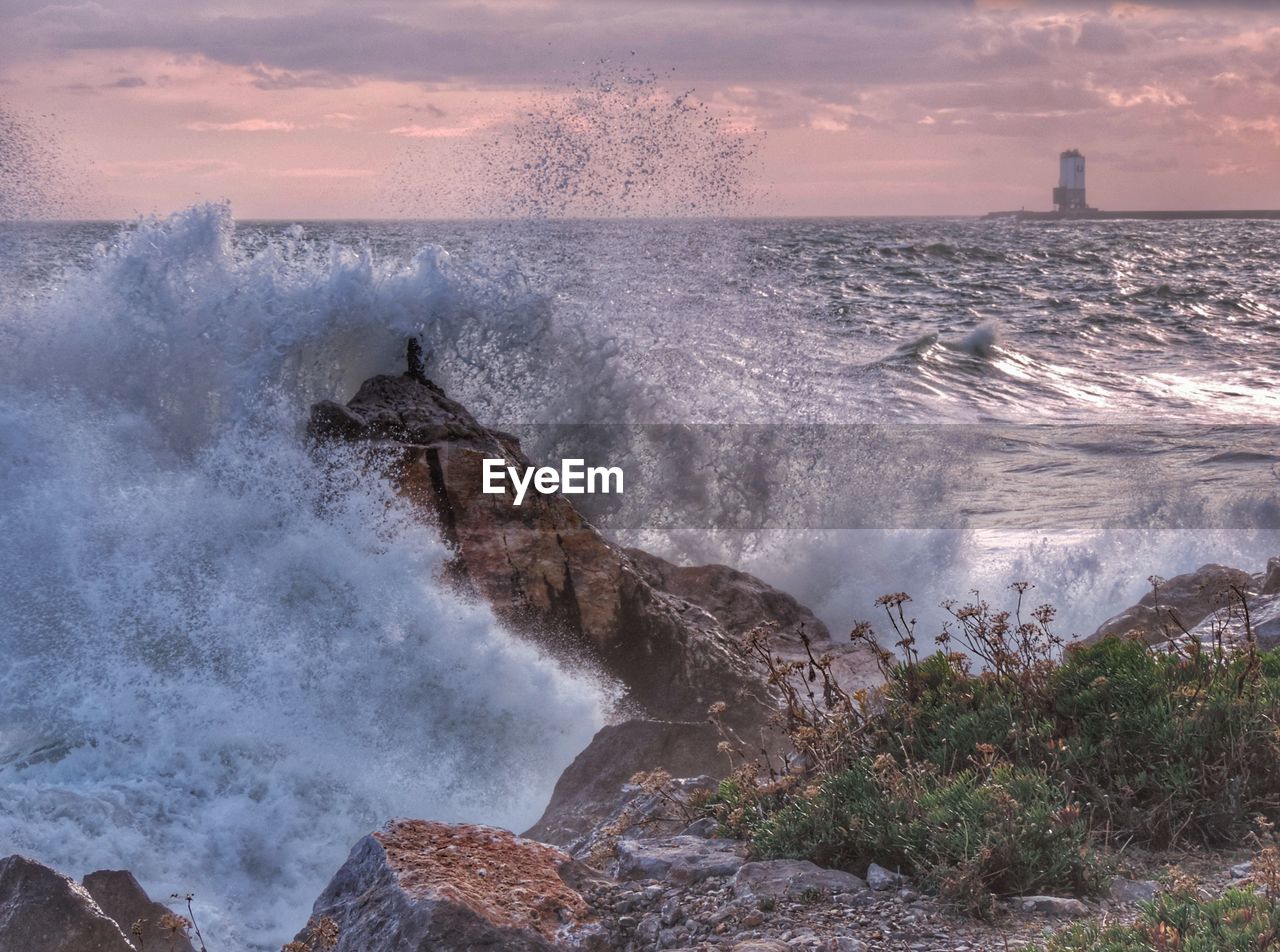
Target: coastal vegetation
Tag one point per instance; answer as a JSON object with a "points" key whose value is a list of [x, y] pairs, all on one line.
{"points": [[1005, 762]]}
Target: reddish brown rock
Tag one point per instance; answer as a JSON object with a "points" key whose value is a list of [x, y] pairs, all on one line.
{"points": [[542, 566], [419, 886]]}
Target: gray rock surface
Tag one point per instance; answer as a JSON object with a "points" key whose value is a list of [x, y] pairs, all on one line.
{"points": [[792, 878], [44, 911]]}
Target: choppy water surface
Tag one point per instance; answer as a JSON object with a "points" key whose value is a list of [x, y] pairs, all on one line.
{"points": [[203, 634]]}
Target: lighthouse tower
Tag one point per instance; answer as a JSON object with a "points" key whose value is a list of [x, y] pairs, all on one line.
{"points": [[1069, 195]]}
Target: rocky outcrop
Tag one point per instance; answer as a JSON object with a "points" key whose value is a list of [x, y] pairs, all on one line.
{"points": [[418, 886], [541, 565], [122, 897], [44, 911]]}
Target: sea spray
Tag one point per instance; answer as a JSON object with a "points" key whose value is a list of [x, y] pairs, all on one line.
{"points": [[227, 658]]}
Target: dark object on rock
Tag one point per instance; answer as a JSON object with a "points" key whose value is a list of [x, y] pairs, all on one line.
{"points": [[417, 366], [44, 911], [418, 886], [121, 897]]}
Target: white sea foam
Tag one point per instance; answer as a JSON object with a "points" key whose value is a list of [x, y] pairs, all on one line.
{"points": [[224, 662]]}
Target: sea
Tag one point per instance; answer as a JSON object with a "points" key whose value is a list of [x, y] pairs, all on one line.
{"points": [[223, 658]]}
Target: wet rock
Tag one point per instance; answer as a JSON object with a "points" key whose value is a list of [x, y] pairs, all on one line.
{"points": [[790, 879], [44, 911], [121, 897], [879, 878], [1133, 890], [418, 885], [1054, 906], [678, 859]]}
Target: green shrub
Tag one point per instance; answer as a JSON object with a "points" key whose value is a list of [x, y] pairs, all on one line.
{"points": [[1241, 920], [991, 769], [967, 835], [1157, 746]]}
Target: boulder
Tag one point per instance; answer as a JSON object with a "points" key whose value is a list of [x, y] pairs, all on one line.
{"points": [[121, 897], [542, 566], [420, 886], [1182, 602], [790, 879], [44, 911], [678, 859], [880, 879]]}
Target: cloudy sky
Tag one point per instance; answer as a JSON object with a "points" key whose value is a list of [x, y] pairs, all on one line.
{"points": [[325, 108]]}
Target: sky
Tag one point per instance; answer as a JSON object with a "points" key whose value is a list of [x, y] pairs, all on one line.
{"points": [[328, 108]]}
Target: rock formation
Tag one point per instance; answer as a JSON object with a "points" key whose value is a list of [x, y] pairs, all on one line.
{"points": [[121, 897], [1205, 605], [417, 885], [544, 568], [43, 911]]}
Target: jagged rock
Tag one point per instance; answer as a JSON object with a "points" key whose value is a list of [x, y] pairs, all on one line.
{"points": [[1133, 890], [542, 566], [1183, 601], [121, 897], [1242, 870], [419, 886], [678, 859], [1054, 906], [790, 879], [594, 791], [44, 911]]}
